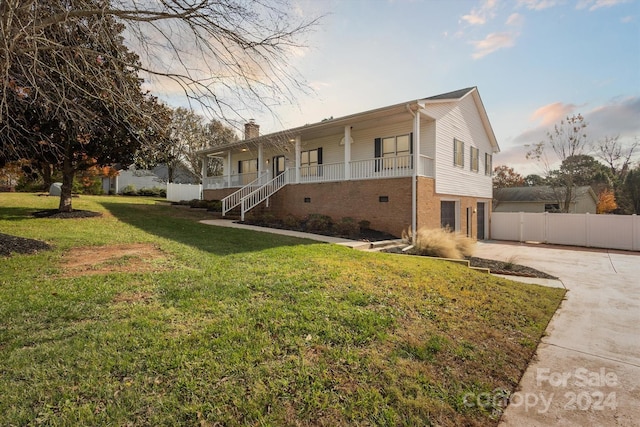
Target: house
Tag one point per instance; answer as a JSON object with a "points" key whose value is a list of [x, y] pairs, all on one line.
{"points": [[147, 178], [543, 199], [421, 163]]}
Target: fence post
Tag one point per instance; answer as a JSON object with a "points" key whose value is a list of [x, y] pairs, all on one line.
{"points": [[545, 228], [587, 233], [521, 233], [635, 244]]}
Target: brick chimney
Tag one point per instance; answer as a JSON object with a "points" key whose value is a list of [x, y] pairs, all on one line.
{"points": [[251, 130]]}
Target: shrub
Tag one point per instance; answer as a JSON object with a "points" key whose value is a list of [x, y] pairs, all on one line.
{"points": [[364, 224], [465, 245], [130, 190], [267, 218], [214, 205], [152, 192], [197, 203], [291, 222], [318, 223], [442, 243], [347, 227]]}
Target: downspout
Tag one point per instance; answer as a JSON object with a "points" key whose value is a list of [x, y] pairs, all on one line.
{"points": [[414, 177]]}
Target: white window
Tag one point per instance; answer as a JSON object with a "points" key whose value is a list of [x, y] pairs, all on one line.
{"points": [[248, 169], [309, 163], [475, 154], [458, 152], [396, 152], [488, 164]]}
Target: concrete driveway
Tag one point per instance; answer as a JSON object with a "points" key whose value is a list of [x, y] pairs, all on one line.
{"points": [[587, 367]]}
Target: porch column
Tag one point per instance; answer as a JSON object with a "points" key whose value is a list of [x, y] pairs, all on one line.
{"points": [[228, 169], [203, 172], [298, 150], [347, 153], [260, 158]]}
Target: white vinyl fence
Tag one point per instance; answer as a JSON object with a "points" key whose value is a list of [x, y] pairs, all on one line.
{"points": [[177, 192], [600, 231]]}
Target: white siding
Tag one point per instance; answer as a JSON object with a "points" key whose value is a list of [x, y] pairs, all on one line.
{"points": [[428, 138], [364, 140], [461, 120]]}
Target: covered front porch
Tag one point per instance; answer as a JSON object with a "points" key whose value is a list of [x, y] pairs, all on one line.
{"points": [[376, 168]]}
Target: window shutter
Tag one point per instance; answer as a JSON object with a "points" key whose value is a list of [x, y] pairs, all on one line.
{"points": [[455, 152], [319, 161], [377, 147]]}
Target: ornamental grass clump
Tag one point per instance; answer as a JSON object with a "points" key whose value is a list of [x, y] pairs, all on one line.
{"points": [[440, 242]]}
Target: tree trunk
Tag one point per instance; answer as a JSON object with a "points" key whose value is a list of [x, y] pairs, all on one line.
{"points": [[68, 173], [45, 170], [170, 169]]}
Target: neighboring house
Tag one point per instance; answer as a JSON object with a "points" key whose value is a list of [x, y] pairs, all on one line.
{"points": [[421, 163], [144, 178], [543, 199]]}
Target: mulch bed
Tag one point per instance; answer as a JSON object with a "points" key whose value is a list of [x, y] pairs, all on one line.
{"points": [[76, 213], [495, 267], [12, 244], [499, 267]]}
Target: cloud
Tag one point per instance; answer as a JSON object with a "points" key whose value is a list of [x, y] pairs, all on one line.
{"points": [[480, 15], [552, 113], [628, 19], [493, 42], [619, 117], [515, 20], [537, 4], [597, 4]]}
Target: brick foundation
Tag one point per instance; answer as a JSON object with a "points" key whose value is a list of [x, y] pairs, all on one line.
{"points": [[360, 200], [385, 203]]}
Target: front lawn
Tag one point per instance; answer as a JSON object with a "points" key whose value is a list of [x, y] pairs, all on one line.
{"points": [[145, 317]]}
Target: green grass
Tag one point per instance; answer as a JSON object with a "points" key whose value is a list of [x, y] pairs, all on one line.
{"points": [[242, 328]]}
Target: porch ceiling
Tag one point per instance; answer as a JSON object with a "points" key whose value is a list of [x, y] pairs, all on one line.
{"points": [[326, 128]]}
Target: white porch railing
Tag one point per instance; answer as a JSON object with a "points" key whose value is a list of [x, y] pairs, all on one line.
{"points": [[226, 181], [234, 199], [382, 167], [262, 193], [322, 173], [389, 167]]}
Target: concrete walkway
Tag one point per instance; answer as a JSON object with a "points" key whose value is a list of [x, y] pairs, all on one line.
{"points": [[317, 237], [587, 367]]}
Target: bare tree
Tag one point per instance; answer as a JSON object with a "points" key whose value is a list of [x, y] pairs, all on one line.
{"points": [[65, 63], [189, 134], [567, 140], [617, 155]]}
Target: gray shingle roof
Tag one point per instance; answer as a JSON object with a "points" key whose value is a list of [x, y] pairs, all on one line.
{"points": [[535, 194], [456, 94]]}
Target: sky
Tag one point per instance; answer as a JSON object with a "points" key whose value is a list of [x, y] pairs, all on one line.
{"points": [[534, 62]]}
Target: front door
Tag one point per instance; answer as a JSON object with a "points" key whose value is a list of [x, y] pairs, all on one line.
{"points": [[278, 165], [480, 216]]}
